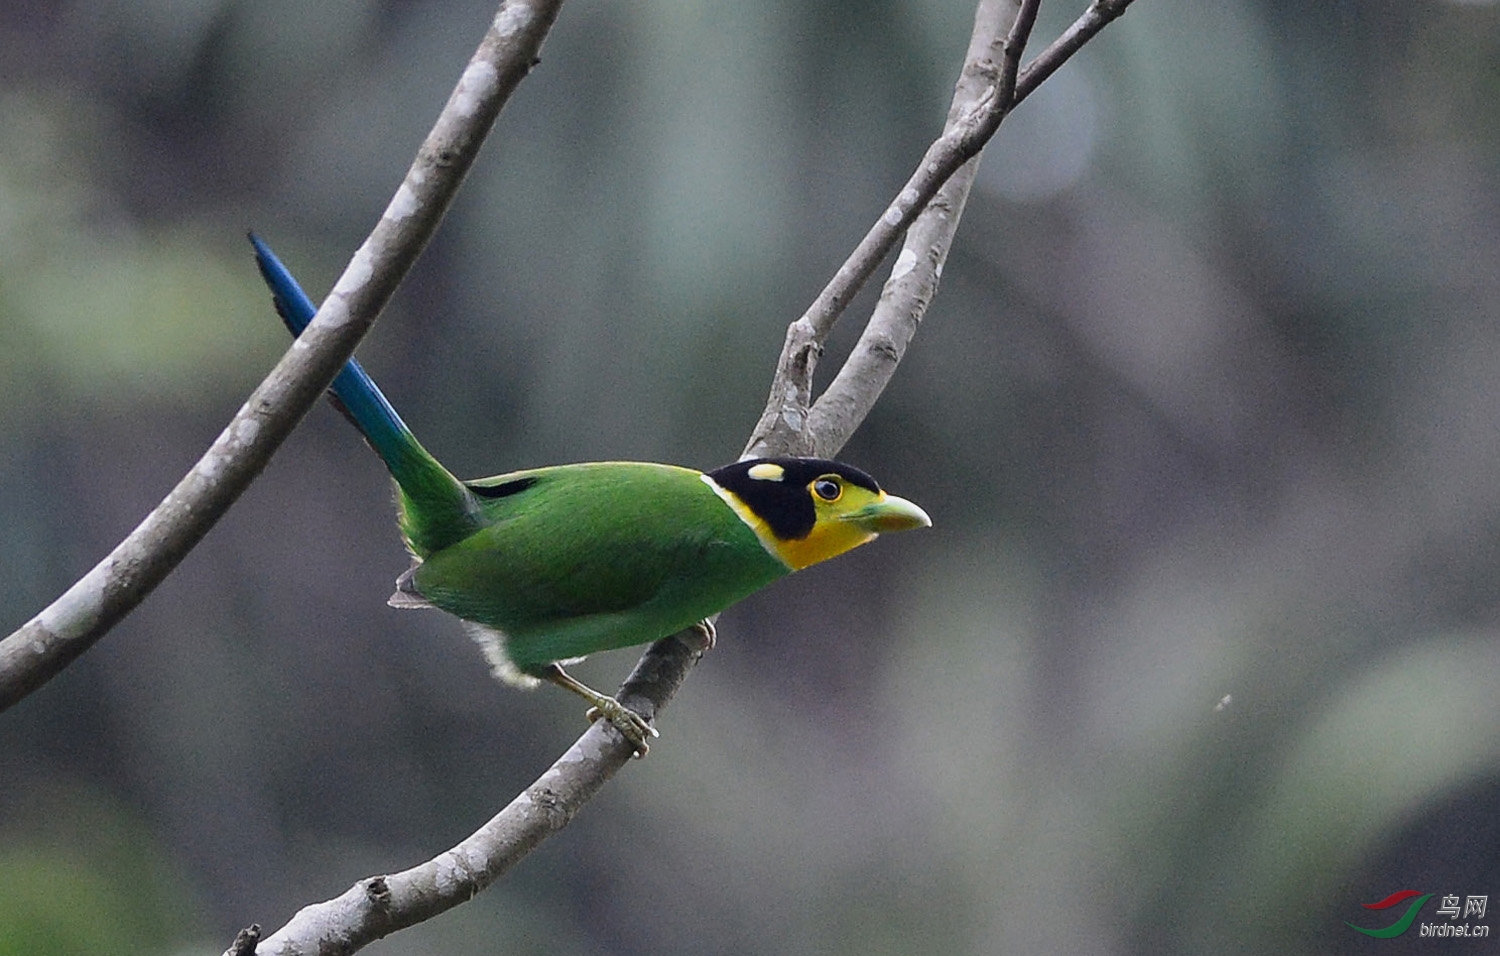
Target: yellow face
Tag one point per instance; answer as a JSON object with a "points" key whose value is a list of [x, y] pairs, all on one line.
{"points": [[845, 516]]}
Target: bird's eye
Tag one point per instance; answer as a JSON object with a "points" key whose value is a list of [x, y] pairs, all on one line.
{"points": [[828, 488]]}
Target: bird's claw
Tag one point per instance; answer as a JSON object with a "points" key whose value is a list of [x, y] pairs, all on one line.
{"points": [[710, 633], [630, 724]]}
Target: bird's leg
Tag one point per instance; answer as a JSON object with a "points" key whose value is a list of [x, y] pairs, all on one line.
{"points": [[625, 720]]}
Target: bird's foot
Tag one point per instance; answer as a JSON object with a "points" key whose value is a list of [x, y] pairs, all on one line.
{"points": [[709, 632], [629, 723]]}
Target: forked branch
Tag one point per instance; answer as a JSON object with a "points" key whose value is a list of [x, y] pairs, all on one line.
{"points": [[927, 209]]}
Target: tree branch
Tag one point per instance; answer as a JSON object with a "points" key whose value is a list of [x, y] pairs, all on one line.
{"points": [[972, 120], [1100, 14], [985, 92], [914, 278], [377, 906], [54, 638], [928, 208]]}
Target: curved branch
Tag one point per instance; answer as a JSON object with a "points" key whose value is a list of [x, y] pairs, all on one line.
{"points": [[54, 638], [380, 905], [377, 906]]}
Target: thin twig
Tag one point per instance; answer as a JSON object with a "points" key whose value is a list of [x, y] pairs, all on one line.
{"points": [[792, 423], [1100, 14], [783, 424], [919, 266], [47, 643]]}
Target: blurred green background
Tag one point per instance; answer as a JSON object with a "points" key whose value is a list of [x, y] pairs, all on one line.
{"points": [[1202, 653]]}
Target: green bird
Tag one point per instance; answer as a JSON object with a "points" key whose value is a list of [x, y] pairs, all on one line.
{"points": [[549, 565]]}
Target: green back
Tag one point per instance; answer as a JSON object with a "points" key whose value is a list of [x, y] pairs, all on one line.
{"points": [[575, 559]]}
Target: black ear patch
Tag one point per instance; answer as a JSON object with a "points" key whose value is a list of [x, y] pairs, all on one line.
{"points": [[776, 489]]}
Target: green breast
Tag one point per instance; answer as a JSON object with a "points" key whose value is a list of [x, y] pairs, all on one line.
{"points": [[582, 558]]}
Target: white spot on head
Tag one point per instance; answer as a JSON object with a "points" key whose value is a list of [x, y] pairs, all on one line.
{"points": [[766, 471]]}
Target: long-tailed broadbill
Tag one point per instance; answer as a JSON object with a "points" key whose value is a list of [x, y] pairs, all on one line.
{"points": [[549, 565]]}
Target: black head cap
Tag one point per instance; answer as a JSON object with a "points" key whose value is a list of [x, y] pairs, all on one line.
{"points": [[777, 490]]}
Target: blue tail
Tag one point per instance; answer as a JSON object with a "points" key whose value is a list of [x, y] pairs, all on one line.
{"points": [[436, 509]]}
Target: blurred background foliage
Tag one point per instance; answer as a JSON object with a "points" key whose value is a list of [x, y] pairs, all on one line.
{"points": [[1201, 654]]}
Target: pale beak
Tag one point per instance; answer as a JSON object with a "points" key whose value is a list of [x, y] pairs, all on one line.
{"points": [[889, 513]]}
